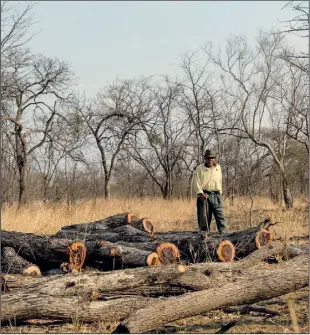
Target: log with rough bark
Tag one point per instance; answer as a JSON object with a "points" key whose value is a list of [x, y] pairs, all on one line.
{"points": [[108, 223], [197, 246], [290, 277], [98, 291], [135, 255], [126, 233], [44, 251], [125, 256], [171, 279], [11, 262]]}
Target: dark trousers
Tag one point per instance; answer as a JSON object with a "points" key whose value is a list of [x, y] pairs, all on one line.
{"points": [[212, 205]]}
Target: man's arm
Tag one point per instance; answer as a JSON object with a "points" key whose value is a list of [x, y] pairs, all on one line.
{"points": [[197, 184]]}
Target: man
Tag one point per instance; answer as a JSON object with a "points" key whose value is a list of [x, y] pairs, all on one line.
{"points": [[208, 184]]}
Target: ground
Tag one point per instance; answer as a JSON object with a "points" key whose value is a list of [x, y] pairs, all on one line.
{"points": [[175, 215]]}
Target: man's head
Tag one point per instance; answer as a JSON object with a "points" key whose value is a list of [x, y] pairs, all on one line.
{"points": [[210, 158]]}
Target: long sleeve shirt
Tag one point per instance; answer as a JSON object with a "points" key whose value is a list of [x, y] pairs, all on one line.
{"points": [[207, 179]]}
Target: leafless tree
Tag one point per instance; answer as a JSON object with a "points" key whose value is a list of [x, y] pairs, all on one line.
{"points": [[160, 145], [293, 95], [297, 25], [112, 117], [250, 78], [16, 21], [37, 89]]}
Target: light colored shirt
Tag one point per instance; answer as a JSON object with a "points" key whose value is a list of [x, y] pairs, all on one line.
{"points": [[209, 179]]}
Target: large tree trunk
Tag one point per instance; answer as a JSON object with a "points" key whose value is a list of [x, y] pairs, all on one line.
{"points": [[46, 252], [123, 233], [22, 165], [168, 280], [197, 247], [30, 305], [292, 276], [94, 293], [108, 223]]}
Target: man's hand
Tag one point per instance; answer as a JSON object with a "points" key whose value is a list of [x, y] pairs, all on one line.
{"points": [[203, 196]]}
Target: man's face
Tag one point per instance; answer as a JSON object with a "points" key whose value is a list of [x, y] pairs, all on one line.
{"points": [[210, 161]]}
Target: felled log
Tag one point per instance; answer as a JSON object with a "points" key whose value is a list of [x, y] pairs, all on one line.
{"points": [[206, 245], [11, 262], [29, 305], [108, 223], [151, 281], [143, 224], [126, 233], [290, 277], [125, 256], [122, 291], [46, 252], [167, 252]]}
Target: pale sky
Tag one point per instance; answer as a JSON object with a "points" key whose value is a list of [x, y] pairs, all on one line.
{"points": [[104, 40]]}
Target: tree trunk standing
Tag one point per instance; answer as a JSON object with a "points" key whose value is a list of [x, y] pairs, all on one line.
{"points": [[287, 196], [107, 191], [22, 164], [189, 187]]}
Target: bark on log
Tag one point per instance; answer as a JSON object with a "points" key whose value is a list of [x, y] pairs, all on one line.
{"points": [[171, 279], [125, 255], [11, 262], [196, 246], [292, 276], [28, 305], [124, 233], [46, 252], [108, 223]]}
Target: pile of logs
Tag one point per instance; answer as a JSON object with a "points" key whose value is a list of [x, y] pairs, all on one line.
{"points": [[161, 277], [122, 241]]}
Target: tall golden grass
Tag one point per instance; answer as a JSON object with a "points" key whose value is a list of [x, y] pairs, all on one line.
{"points": [[40, 218]]}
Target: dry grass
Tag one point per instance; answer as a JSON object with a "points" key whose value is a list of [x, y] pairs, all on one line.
{"points": [[165, 215]]}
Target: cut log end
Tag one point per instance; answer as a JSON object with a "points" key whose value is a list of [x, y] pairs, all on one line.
{"points": [[77, 254], [226, 251], [131, 217], [114, 252], [32, 270], [263, 237], [168, 253], [153, 259], [182, 268], [148, 226]]}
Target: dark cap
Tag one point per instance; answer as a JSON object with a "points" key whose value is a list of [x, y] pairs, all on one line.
{"points": [[210, 154]]}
